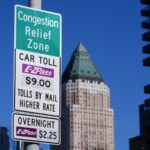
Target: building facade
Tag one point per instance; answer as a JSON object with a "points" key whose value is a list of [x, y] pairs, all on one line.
{"points": [[87, 118], [144, 111], [4, 139], [142, 142]]}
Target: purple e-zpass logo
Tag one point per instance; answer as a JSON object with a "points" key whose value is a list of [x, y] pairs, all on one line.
{"points": [[36, 70], [26, 132]]}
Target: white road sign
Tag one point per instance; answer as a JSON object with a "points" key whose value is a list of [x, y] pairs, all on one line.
{"points": [[37, 61], [37, 83], [36, 129]]}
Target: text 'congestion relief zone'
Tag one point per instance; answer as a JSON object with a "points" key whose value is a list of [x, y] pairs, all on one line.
{"points": [[38, 31]]}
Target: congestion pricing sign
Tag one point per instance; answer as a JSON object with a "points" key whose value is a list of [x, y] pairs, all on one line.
{"points": [[37, 61], [36, 129]]}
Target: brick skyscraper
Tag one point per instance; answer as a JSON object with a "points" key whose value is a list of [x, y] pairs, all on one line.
{"points": [[87, 119]]}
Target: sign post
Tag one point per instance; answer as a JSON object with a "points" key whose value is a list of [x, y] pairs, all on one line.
{"points": [[37, 79]]}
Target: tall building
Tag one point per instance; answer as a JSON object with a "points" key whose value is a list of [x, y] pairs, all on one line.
{"points": [[144, 111], [87, 118], [142, 142], [4, 139]]}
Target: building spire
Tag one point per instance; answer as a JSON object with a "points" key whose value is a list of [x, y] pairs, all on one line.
{"points": [[81, 66]]}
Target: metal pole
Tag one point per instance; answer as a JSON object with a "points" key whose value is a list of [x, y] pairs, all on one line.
{"points": [[35, 4], [32, 146]]}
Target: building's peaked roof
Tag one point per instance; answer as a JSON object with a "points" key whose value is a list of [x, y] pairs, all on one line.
{"points": [[80, 48], [81, 66]]}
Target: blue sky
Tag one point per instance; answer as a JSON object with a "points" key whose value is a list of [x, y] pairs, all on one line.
{"points": [[111, 32]]}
